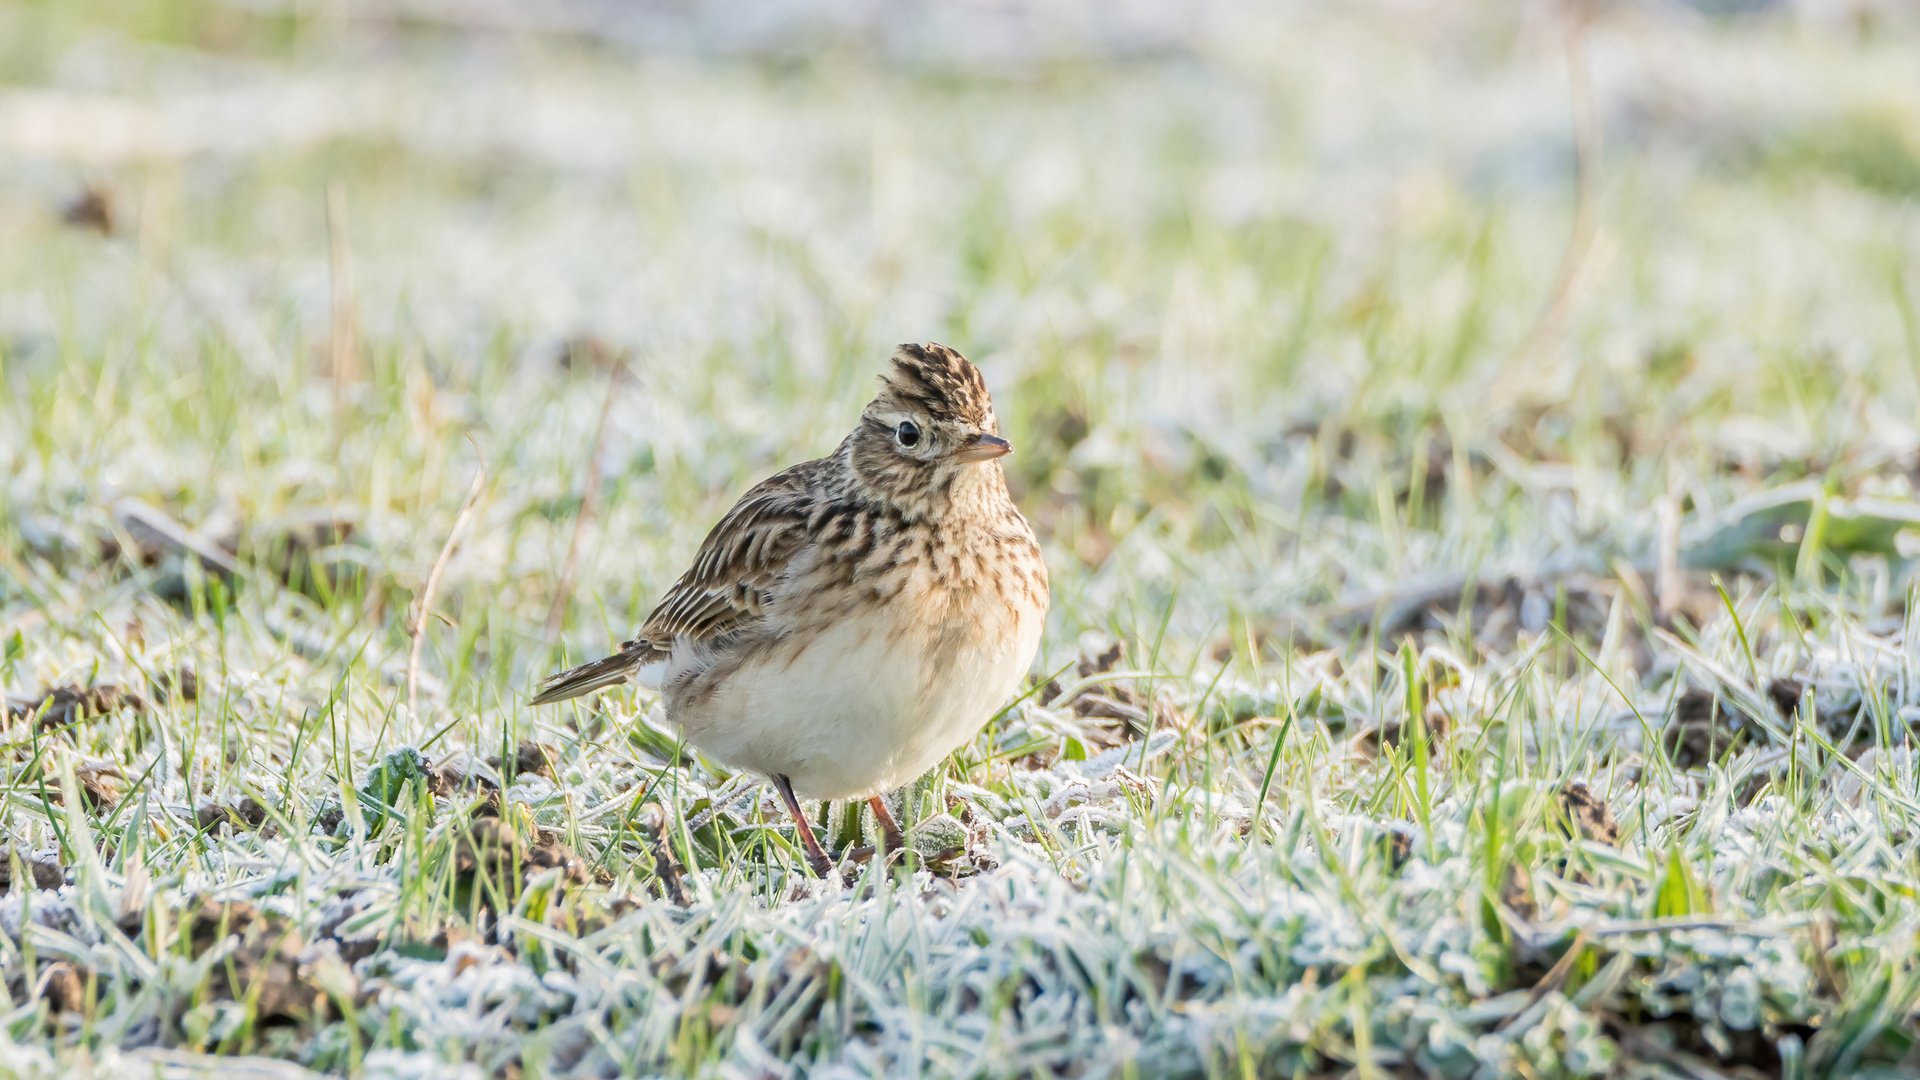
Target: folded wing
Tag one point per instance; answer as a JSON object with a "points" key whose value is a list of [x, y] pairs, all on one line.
{"points": [[725, 591]]}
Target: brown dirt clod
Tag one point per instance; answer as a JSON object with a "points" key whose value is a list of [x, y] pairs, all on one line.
{"points": [[531, 757], [267, 961], [1703, 725], [65, 987], [91, 208], [101, 785], [1702, 729], [487, 845], [1786, 696], [1516, 891], [245, 814], [448, 779], [1438, 725], [556, 855], [1401, 847], [45, 870], [1588, 813], [181, 683]]}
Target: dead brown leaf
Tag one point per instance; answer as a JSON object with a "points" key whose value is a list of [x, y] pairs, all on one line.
{"points": [[64, 705], [156, 534]]}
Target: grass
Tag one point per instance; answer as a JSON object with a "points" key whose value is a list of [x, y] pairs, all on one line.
{"points": [[1511, 683]]}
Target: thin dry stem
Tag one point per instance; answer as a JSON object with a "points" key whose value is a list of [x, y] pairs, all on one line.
{"points": [[1555, 978], [1586, 138], [1667, 588], [417, 625], [342, 352], [589, 506]]}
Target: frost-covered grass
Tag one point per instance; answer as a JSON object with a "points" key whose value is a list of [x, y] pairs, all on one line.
{"points": [[1517, 669]]}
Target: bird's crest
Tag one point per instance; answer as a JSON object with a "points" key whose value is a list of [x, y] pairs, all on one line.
{"points": [[939, 381]]}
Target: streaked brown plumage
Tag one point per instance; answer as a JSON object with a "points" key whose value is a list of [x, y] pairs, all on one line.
{"points": [[856, 618]]}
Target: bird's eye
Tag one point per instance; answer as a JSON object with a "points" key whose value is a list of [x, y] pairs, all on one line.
{"points": [[907, 434]]}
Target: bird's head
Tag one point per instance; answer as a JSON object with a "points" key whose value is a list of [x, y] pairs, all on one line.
{"points": [[930, 426]]}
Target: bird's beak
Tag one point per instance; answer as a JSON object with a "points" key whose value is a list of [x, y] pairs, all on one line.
{"points": [[982, 447]]}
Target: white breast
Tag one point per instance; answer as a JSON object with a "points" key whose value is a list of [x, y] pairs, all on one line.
{"points": [[867, 705]]}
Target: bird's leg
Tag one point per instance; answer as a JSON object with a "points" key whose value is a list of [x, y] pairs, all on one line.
{"points": [[891, 838], [816, 855]]}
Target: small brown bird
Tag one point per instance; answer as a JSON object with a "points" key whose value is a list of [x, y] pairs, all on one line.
{"points": [[855, 619]]}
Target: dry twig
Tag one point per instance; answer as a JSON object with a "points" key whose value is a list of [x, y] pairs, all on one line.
{"points": [[589, 506], [1667, 588], [417, 625], [1586, 138], [343, 358], [1555, 978]]}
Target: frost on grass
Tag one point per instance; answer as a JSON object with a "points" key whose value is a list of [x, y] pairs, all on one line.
{"points": [[1543, 893], [1483, 709]]}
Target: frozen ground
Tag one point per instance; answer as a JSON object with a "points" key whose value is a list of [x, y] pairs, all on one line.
{"points": [[1551, 382]]}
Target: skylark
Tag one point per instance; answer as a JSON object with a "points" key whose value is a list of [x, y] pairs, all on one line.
{"points": [[855, 619]]}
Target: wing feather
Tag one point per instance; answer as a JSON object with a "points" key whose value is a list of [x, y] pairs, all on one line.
{"points": [[739, 564], [726, 590]]}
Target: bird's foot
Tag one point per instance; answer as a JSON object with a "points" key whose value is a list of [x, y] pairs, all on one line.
{"points": [[817, 859], [891, 837]]}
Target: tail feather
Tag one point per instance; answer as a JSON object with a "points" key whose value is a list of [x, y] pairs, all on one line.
{"points": [[585, 679]]}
